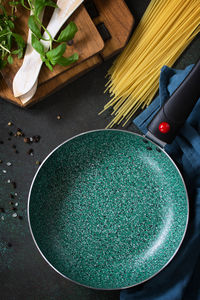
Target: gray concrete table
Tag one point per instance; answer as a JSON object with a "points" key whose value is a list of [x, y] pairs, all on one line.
{"points": [[23, 272]]}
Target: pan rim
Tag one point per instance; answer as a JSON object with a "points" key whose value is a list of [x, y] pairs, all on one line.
{"points": [[29, 197]]}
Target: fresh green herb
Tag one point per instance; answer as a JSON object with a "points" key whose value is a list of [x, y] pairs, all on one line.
{"points": [[11, 43], [66, 61], [37, 45], [32, 23], [53, 56], [8, 38], [68, 33]]}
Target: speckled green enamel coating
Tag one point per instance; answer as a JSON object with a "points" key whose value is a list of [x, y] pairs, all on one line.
{"points": [[108, 209]]}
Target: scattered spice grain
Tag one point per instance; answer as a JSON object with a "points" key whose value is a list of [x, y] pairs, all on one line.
{"points": [[30, 152], [70, 43], [14, 184], [26, 140], [36, 138], [19, 133]]}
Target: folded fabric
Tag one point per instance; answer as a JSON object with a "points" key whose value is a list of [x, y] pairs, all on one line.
{"points": [[180, 280]]}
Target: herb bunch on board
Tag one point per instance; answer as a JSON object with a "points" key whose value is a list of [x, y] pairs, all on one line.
{"points": [[11, 43], [54, 55], [51, 57]]}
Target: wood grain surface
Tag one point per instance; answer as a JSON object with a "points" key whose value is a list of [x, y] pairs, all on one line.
{"points": [[118, 20]]}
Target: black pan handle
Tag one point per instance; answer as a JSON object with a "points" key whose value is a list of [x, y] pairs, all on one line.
{"points": [[172, 115]]}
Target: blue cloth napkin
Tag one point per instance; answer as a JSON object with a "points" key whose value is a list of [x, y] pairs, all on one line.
{"points": [[180, 280]]}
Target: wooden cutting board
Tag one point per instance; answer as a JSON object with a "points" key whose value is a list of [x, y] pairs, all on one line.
{"points": [[118, 20], [87, 42]]}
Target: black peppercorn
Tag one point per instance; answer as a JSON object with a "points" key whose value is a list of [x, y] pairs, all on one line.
{"points": [[30, 151], [70, 43], [14, 184], [36, 138]]}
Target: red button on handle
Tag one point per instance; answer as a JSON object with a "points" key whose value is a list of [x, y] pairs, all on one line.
{"points": [[164, 127]]}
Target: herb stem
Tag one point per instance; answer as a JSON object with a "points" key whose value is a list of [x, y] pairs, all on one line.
{"points": [[31, 7], [48, 33], [7, 33], [28, 8], [4, 48]]}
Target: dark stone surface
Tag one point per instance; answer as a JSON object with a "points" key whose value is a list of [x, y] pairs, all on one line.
{"points": [[23, 272]]}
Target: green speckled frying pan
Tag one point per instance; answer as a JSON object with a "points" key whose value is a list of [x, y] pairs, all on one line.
{"points": [[108, 209]]}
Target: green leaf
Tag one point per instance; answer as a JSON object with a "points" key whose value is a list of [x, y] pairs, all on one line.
{"points": [[2, 64], [37, 45], [32, 23], [18, 52], [43, 57], [15, 51], [19, 40], [68, 33], [10, 59], [51, 3], [9, 40], [3, 10], [11, 24], [47, 63], [39, 5], [54, 54], [66, 61]]}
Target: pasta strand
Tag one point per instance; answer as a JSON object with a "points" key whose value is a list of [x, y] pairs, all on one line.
{"points": [[165, 30]]}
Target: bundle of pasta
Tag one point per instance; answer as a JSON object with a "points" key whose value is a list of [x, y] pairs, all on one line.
{"points": [[165, 30]]}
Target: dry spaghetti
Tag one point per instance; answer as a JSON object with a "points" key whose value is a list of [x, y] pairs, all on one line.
{"points": [[165, 30]]}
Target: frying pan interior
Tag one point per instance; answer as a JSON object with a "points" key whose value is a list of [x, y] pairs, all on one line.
{"points": [[108, 209]]}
